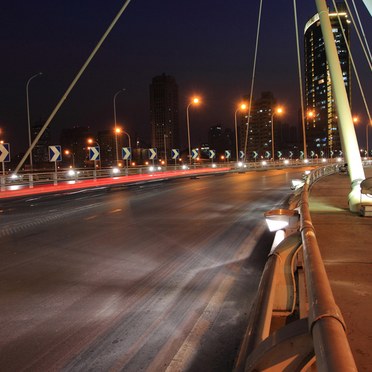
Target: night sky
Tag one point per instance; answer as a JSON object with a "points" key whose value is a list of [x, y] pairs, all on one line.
{"points": [[208, 46]]}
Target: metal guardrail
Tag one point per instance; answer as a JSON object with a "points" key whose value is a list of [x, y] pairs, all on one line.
{"points": [[8, 179], [296, 326], [326, 323]]}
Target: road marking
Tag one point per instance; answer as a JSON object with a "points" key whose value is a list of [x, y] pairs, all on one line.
{"points": [[90, 217], [116, 210], [182, 360]]}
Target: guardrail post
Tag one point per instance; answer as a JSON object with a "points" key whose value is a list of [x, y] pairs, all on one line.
{"points": [[2, 183], [31, 181]]}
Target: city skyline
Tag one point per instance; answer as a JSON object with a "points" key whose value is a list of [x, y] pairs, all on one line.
{"points": [[186, 41]]}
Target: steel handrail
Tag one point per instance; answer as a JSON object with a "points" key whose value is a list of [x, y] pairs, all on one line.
{"points": [[326, 323]]}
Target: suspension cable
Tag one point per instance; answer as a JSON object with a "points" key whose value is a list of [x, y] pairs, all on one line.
{"points": [[77, 77], [368, 56], [300, 81], [253, 76], [361, 27], [352, 60]]}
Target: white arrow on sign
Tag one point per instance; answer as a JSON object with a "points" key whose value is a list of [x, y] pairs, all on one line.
{"points": [[175, 154], [4, 152], [55, 153], [227, 154], [212, 154], [241, 154], [153, 153], [94, 153], [126, 153], [194, 153]]}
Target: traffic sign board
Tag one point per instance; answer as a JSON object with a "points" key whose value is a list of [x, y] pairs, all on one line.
{"points": [[255, 154], [227, 154], [55, 153], [279, 154], [126, 153], [194, 153], [301, 154], [94, 153], [241, 154], [175, 154], [267, 154], [4, 152], [153, 153], [212, 154], [290, 154]]}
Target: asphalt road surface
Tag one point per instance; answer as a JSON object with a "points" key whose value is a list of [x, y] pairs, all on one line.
{"points": [[159, 277]]}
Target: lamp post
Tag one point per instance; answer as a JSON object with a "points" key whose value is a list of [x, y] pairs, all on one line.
{"points": [[116, 133], [243, 106], [367, 148], [165, 149], [194, 101], [91, 141], [278, 110], [28, 115], [68, 152]]}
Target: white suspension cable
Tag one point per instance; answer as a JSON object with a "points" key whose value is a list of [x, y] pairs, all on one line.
{"points": [[253, 76], [352, 60], [368, 56], [300, 81], [69, 89], [361, 27]]}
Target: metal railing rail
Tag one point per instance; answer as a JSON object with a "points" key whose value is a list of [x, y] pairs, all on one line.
{"points": [[315, 331], [326, 323], [65, 175]]}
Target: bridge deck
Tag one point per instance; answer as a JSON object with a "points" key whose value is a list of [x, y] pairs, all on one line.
{"points": [[345, 241]]}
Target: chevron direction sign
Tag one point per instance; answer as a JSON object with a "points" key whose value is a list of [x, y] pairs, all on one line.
{"points": [[94, 153], [291, 154], [175, 154], [301, 154], [241, 154], [279, 154], [153, 153], [194, 153], [227, 154], [55, 153], [4, 152], [255, 154], [126, 153], [267, 154], [212, 154]]}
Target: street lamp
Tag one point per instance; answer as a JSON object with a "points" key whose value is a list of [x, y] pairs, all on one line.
{"points": [[242, 107], [165, 149], [116, 133], [279, 110], [90, 142], [28, 115], [194, 101], [68, 152]]}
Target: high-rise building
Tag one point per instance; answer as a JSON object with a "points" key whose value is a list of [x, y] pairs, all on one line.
{"points": [[259, 131], [321, 128], [107, 142], [40, 153], [74, 145], [219, 139], [164, 114]]}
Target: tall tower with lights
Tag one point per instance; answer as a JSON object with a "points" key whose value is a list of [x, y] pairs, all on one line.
{"points": [[164, 113], [321, 120]]}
